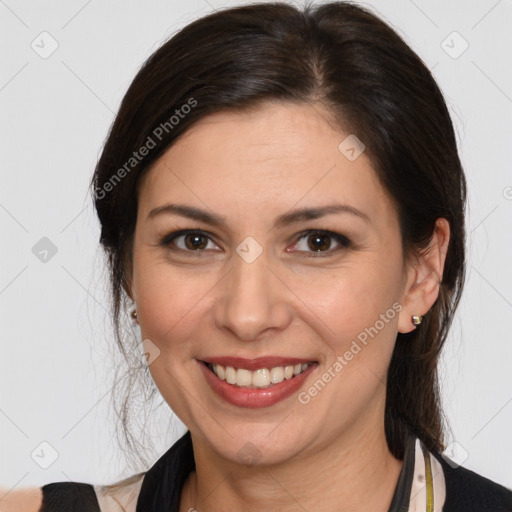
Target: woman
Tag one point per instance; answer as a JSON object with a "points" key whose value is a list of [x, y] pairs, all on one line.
{"points": [[282, 202]]}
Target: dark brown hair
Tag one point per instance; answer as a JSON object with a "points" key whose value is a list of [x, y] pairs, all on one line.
{"points": [[345, 59]]}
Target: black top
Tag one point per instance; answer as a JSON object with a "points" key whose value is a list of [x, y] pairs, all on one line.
{"points": [[468, 492], [161, 487]]}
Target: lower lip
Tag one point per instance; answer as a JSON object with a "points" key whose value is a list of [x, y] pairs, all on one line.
{"points": [[254, 398]]}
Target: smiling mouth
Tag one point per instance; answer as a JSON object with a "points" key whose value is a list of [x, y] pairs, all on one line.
{"points": [[261, 378]]}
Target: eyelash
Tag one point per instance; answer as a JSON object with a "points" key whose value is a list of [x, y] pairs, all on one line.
{"points": [[343, 241]]}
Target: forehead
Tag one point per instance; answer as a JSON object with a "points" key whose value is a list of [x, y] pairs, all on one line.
{"points": [[262, 162]]}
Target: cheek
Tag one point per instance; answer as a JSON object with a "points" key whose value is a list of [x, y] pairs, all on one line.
{"points": [[350, 296], [355, 310], [356, 317], [171, 305]]}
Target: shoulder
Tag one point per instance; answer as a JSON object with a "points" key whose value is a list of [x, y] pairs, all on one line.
{"points": [[28, 499], [77, 496], [467, 491]]}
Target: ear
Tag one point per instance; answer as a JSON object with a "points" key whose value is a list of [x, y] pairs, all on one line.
{"points": [[424, 276]]}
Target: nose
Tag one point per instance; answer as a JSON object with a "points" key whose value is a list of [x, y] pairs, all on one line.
{"points": [[252, 301]]}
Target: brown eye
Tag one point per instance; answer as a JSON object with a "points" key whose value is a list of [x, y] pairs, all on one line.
{"points": [[188, 241], [319, 242], [194, 241]]}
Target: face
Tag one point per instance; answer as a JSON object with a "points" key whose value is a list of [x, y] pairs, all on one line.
{"points": [[247, 261]]}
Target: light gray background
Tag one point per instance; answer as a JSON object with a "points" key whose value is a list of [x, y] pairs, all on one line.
{"points": [[55, 113]]}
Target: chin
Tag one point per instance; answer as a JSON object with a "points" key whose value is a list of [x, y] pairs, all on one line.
{"points": [[260, 443]]}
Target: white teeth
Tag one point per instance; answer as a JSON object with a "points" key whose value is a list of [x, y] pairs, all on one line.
{"points": [[260, 378], [243, 377], [230, 375], [221, 372], [277, 375]]}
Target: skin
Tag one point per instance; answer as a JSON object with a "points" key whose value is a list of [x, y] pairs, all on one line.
{"points": [[28, 499], [249, 168]]}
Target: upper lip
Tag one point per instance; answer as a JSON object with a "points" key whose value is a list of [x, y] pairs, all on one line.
{"points": [[256, 363]]}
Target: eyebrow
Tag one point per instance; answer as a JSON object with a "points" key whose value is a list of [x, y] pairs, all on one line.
{"points": [[286, 219]]}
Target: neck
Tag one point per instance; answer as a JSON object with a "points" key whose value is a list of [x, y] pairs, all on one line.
{"points": [[354, 472]]}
